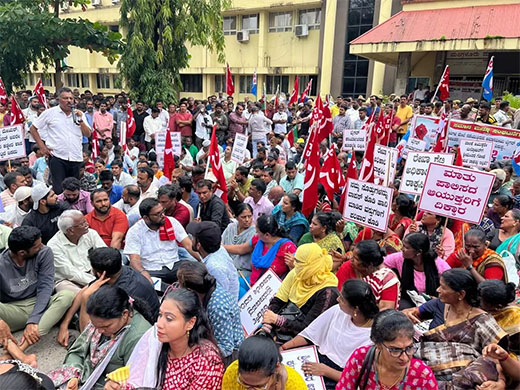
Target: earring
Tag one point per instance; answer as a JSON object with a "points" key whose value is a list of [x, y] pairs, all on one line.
{"points": [[188, 334], [355, 314]]}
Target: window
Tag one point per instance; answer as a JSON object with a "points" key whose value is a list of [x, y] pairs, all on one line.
{"points": [[310, 17], [246, 82], [191, 82], [30, 79], [280, 21], [250, 23], [47, 81], [113, 28], [272, 82], [220, 83], [304, 80], [414, 82], [229, 25], [103, 81], [72, 80], [85, 80]]}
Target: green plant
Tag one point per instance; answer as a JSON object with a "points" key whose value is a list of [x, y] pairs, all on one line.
{"points": [[514, 101]]}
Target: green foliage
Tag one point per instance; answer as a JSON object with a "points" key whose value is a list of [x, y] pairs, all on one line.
{"points": [[33, 35], [157, 34], [514, 101]]}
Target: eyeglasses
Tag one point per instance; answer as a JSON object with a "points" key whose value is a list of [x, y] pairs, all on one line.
{"points": [[397, 352], [156, 214], [249, 387]]}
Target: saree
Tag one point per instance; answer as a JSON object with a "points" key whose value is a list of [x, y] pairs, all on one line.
{"points": [[488, 258], [390, 243], [230, 236], [297, 222], [453, 351], [331, 242], [509, 320]]}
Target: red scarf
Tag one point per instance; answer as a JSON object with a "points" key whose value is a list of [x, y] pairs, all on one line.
{"points": [[166, 232]]}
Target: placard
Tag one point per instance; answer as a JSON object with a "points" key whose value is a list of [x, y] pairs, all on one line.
{"points": [[425, 128], [416, 168], [239, 148], [368, 204], [295, 358], [160, 139], [12, 142], [476, 153], [254, 303], [385, 163], [456, 192], [414, 145], [354, 139]]}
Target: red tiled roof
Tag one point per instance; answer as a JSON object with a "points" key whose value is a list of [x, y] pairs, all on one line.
{"points": [[497, 21]]}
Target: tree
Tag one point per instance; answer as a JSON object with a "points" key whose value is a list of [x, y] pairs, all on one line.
{"points": [[33, 34], [157, 34]]}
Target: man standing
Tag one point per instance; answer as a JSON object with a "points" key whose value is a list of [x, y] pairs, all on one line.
{"points": [[169, 197], [145, 178], [63, 139], [203, 125], [74, 196], [183, 122], [341, 122], [237, 122], [362, 118], [212, 208], [501, 115], [221, 120], [405, 113], [103, 122], [139, 115], [256, 199], [12, 181], [280, 120], [152, 125], [107, 183], [484, 116], [31, 113], [256, 127]]}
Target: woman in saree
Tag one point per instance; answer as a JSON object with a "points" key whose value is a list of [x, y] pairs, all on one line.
{"points": [[441, 238], [509, 227], [116, 324], [289, 217], [401, 219], [389, 241], [322, 231], [458, 333]]}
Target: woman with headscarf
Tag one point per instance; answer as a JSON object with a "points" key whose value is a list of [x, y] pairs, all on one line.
{"points": [[307, 291]]}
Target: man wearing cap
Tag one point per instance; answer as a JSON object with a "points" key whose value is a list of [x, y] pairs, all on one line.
{"points": [[484, 116], [207, 241], [12, 180], [212, 208], [45, 212], [498, 189], [202, 154], [14, 214]]}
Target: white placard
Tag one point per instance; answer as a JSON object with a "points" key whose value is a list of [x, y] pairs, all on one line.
{"points": [[416, 168], [368, 204], [456, 192], [295, 358], [160, 139], [254, 303], [414, 145], [476, 153], [239, 148], [385, 163], [354, 139], [12, 142]]}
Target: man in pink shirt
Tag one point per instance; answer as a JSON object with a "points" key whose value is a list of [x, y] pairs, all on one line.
{"points": [[183, 121], [103, 122], [256, 199]]}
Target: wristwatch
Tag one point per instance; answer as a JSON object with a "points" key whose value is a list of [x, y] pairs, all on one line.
{"points": [[469, 268]]}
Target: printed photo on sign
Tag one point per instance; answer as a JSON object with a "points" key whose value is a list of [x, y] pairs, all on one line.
{"points": [[368, 204], [295, 358], [12, 142], [476, 153], [456, 192], [354, 139], [385, 163], [416, 168], [238, 154], [426, 128]]}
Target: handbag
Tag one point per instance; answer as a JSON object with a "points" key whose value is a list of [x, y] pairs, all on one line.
{"points": [[291, 312], [365, 369]]}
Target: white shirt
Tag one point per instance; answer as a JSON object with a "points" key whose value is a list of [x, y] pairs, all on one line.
{"points": [[124, 179], [200, 130], [151, 126], [280, 128], [14, 215], [30, 115], [353, 115], [63, 137], [154, 253], [502, 117], [131, 212], [165, 117], [151, 192]]}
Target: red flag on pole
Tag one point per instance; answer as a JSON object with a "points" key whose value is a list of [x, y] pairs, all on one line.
{"points": [[351, 174], [294, 95], [40, 93], [440, 145], [17, 116], [330, 174], [306, 91], [169, 162], [310, 187], [95, 143], [444, 84], [230, 87], [3, 93], [321, 115], [367, 169], [130, 121], [383, 128], [216, 166], [459, 160]]}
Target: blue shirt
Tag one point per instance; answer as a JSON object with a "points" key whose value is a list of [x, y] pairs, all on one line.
{"points": [[290, 185], [116, 193], [220, 266], [194, 203]]}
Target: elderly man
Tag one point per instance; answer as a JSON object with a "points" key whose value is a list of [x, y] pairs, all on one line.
{"points": [[15, 213], [498, 189], [129, 203], [12, 181], [275, 195], [74, 196], [70, 247]]}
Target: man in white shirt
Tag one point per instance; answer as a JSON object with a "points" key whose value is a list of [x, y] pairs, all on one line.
{"points": [[121, 178], [129, 203], [16, 212], [280, 120], [203, 125], [145, 178], [256, 126], [501, 115], [163, 114], [65, 131], [31, 113], [152, 125]]}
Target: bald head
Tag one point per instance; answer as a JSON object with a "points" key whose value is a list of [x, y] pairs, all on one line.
{"points": [[275, 195]]}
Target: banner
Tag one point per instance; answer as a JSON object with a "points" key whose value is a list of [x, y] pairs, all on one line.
{"points": [[295, 358], [385, 163], [476, 153], [416, 169], [160, 139], [505, 141], [455, 192], [368, 204], [12, 142], [238, 154], [354, 139], [425, 128], [254, 303]]}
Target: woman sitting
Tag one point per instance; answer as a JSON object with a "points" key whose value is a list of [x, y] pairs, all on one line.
{"points": [[501, 205], [268, 248], [322, 231], [482, 262], [307, 291], [221, 307], [441, 238], [458, 333], [509, 227], [289, 217], [389, 241], [418, 267], [366, 263], [401, 219], [259, 366], [117, 322], [179, 352], [390, 363], [339, 331]]}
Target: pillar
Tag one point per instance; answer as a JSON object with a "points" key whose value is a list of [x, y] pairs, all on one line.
{"points": [[404, 68]]}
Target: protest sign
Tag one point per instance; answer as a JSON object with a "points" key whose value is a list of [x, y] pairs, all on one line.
{"points": [[416, 168], [414, 145], [368, 204], [239, 148], [456, 192], [254, 303], [476, 153], [295, 358], [505, 141], [385, 163], [12, 142], [425, 128], [160, 139], [354, 139]]}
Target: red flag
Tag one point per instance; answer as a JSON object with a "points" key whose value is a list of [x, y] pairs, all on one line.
{"points": [[306, 91], [3, 93], [458, 160], [130, 121], [169, 162], [40, 93], [330, 174], [310, 187], [444, 84], [230, 87], [351, 174], [294, 95], [17, 116], [95, 143], [367, 169], [383, 127], [321, 115], [440, 145], [216, 166]]}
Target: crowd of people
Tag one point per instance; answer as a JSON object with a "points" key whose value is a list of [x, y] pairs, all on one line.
{"points": [[150, 266]]}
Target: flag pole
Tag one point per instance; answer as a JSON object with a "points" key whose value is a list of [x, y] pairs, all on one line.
{"points": [[439, 84]]}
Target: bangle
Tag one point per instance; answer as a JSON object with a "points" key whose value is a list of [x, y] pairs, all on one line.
{"points": [[504, 359], [469, 268]]}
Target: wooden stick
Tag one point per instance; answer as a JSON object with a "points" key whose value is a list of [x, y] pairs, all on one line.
{"points": [[243, 277], [444, 230], [463, 238]]}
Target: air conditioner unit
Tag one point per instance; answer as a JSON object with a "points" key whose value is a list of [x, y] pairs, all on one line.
{"points": [[301, 30], [243, 36], [116, 1], [96, 3]]}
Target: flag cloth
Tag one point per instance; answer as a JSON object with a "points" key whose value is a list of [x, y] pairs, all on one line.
{"points": [[440, 145], [366, 172], [383, 127], [3, 93], [130, 121], [169, 162], [17, 116], [253, 85], [230, 87], [516, 161], [330, 175], [216, 166], [458, 160], [294, 95], [307, 90], [310, 187], [323, 119], [351, 174], [487, 82], [402, 144], [40, 93], [292, 135], [444, 84], [95, 143]]}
